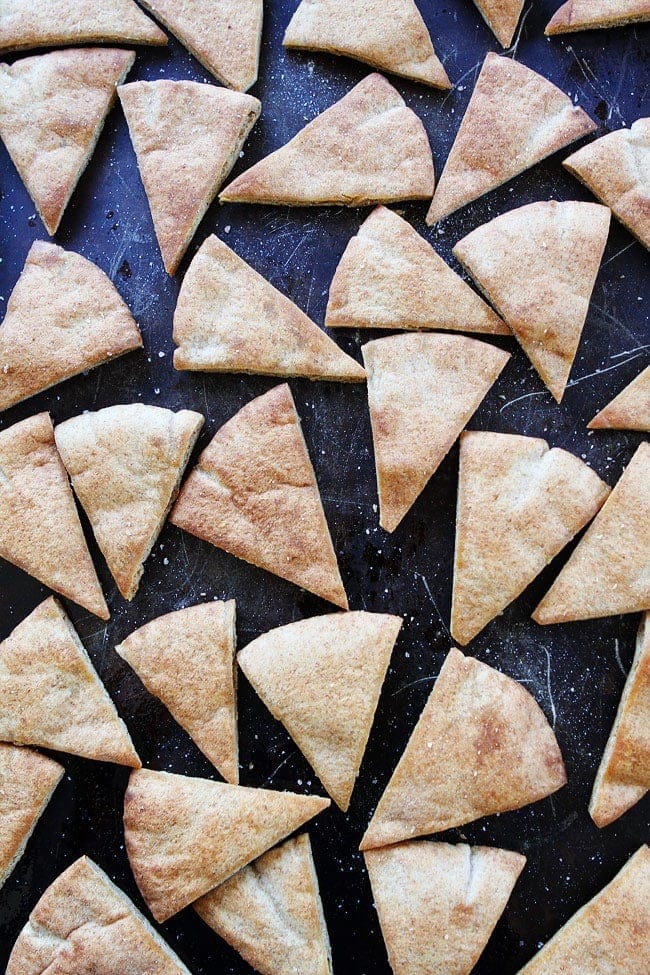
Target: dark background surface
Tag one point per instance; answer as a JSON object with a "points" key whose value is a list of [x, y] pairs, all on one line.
{"points": [[576, 672]]}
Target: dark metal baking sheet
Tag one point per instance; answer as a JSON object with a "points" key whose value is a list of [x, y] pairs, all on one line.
{"points": [[576, 672]]}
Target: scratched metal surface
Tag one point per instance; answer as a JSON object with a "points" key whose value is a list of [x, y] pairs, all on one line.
{"points": [[576, 672]]}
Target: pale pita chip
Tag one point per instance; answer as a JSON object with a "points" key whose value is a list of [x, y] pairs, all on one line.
{"points": [[366, 148], [51, 695], [187, 137], [186, 659], [609, 571], [271, 912], [502, 17], [481, 746], [519, 504], [588, 14], [391, 277], [514, 119], [40, 531], [126, 464], [64, 316], [630, 410], [438, 904], [422, 390], [185, 836], [538, 266], [254, 494], [322, 678], [230, 319]]}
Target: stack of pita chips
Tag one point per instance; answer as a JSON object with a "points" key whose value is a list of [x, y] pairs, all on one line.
{"points": [[502, 17], [589, 14], [31, 23], [630, 410]]}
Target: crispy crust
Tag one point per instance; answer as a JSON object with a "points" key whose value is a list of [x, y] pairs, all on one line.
{"points": [[629, 410], [588, 14], [502, 17]]}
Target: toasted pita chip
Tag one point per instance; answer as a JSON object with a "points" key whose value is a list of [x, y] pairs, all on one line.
{"points": [[630, 410], [422, 390], [538, 266], [230, 319], [514, 119], [367, 148], [254, 494], [126, 464], [588, 14], [185, 836], [481, 746], [519, 504], [186, 659], [40, 531], [84, 923], [609, 935], [438, 904], [502, 17], [271, 912], [322, 678], [607, 573]]}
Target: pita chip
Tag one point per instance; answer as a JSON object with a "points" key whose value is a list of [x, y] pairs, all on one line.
{"points": [[609, 935], [519, 504], [388, 34], [254, 494], [481, 746], [185, 836], [84, 923], [187, 137], [366, 148], [126, 464], [186, 659], [52, 111], [40, 531], [538, 266], [27, 781], [422, 390], [322, 678], [502, 17], [514, 119], [51, 695], [225, 36], [607, 573], [630, 410], [391, 277], [588, 14], [271, 912], [230, 319], [64, 316], [438, 904]]}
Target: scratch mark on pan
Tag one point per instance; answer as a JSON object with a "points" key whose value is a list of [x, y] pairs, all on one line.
{"points": [[639, 348], [592, 81], [599, 372], [515, 44], [412, 683], [618, 254], [283, 762], [418, 575], [548, 687], [460, 80], [540, 392], [617, 654]]}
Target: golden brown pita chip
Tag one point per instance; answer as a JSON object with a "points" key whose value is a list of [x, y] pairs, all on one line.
{"points": [[630, 410], [538, 266], [422, 390], [254, 494], [367, 148], [481, 746], [185, 836], [514, 119], [587, 14], [230, 319], [502, 17]]}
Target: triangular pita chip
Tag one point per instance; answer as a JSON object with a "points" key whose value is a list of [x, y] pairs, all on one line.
{"points": [[187, 137], [630, 410], [187, 660], [519, 504], [502, 17], [438, 904], [64, 316], [185, 836], [322, 678], [51, 695], [538, 266], [225, 36], [84, 923], [230, 319], [52, 110], [609, 935], [588, 14], [126, 464], [40, 531], [422, 390], [390, 277], [514, 119], [388, 34], [367, 148], [254, 494], [271, 912], [481, 746], [607, 573]]}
